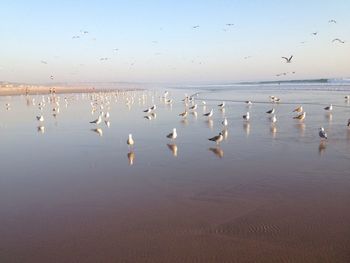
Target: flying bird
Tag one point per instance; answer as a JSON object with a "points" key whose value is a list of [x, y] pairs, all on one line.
{"points": [[288, 60], [229, 24], [332, 21], [196, 26], [338, 40], [314, 33]]}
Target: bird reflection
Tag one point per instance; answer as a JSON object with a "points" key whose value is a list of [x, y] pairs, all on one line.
{"points": [[131, 157], [301, 128], [195, 114], [246, 128], [225, 133], [41, 129], [273, 130], [108, 123], [210, 123], [329, 116], [184, 122], [322, 147], [217, 151], [154, 115], [173, 149], [98, 131]]}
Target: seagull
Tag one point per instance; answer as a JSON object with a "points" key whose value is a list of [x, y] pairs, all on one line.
{"points": [[172, 135], [339, 40], [314, 33], [194, 107], [108, 123], [40, 118], [272, 111], [107, 115], [347, 97], [298, 109], [147, 110], [329, 108], [208, 114], [229, 24], [246, 117], [43, 62], [332, 21], [204, 102], [288, 60], [248, 102], [221, 105], [130, 140], [322, 133], [224, 122], [300, 117], [196, 26], [183, 114], [217, 138], [153, 107], [97, 121], [348, 122]]}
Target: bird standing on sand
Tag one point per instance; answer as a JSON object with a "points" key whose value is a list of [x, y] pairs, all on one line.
{"points": [[194, 107], [217, 138], [221, 105], [300, 117], [322, 133], [172, 135], [130, 140], [298, 109], [208, 114], [329, 108], [246, 116], [97, 121], [272, 111], [40, 118], [288, 60], [184, 114]]}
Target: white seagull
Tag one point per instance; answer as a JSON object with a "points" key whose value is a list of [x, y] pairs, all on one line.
{"points": [[224, 122], [208, 114], [172, 135], [272, 111], [40, 118], [97, 121], [130, 140], [246, 116], [322, 133], [329, 108]]}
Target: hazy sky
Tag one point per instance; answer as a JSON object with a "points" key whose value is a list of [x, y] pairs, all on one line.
{"points": [[156, 40]]}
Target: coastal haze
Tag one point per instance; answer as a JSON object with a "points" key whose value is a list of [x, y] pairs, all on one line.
{"points": [[78, 79]]}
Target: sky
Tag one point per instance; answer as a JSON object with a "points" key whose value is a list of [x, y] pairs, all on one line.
{"points": [[155, 41]]}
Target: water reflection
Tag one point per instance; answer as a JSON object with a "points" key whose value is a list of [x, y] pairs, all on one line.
{"points": [[184, 122], [108, 123], [131, 157], [98, 131], [301, 128], [173, 148], [329, 116], [225, 133], [246, 128], [322, 147], [273, 130], [41, 129], [217, 151], [210, 123]]}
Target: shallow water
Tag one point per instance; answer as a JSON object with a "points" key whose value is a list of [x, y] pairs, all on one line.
{"points": [[268, 193]]}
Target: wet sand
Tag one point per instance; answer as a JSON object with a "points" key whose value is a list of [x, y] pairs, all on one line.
{"points": [[266, 199]]}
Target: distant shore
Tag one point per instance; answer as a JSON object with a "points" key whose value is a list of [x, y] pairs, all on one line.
{"points": [[7, 89]]}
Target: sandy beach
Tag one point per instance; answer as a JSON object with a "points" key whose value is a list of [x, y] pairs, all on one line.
{"points": [[263, 195]]}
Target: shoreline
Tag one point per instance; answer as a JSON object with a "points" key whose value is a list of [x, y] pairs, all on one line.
{"points": [[37, 90]]}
